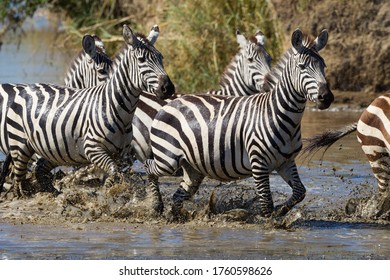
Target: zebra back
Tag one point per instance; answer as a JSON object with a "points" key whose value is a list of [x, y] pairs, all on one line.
{"points": [[91, 67]]}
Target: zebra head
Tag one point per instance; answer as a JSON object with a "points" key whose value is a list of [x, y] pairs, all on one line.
{"points": [[253, 60], [97, 64], [309, 68], [147, 61]]}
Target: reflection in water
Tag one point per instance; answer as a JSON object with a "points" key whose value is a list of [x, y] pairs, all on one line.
{"points": [[312, 240], [330, 180]]}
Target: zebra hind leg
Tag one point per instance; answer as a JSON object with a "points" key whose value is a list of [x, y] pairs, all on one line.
{"points": [[290, 174]]}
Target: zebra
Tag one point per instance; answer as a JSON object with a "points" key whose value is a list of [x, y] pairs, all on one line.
{"points": [[68, 126], [244, 75], [230, 138], [373, 135], [91, 67]]}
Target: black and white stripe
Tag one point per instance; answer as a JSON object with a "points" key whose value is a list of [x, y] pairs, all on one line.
{"points": [[243, 76], [229, 138], [90, 68], [68, 126], [373, 133]]}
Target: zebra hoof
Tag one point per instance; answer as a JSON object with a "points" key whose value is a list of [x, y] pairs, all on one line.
{"points": [[280, 210], [158, 207], [178, 215]]}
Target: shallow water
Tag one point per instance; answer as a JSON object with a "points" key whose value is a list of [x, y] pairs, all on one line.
{"points": [[319, 227]]}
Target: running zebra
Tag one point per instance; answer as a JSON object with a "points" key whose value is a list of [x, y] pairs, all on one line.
{"points": [[90, 68], [243, 76], [69, 126], [230, 138], [373, 130]]}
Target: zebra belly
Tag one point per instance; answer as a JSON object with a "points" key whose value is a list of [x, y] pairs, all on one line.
{"points": [[59, 150]]}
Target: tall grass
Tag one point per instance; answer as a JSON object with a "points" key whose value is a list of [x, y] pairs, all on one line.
{"points": [[201, 37], [197, 36]]}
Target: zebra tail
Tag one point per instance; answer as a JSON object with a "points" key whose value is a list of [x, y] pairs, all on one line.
{"points": [[326, 139]]}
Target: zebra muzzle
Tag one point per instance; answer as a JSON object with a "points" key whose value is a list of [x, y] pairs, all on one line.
{"points": [[165, 87], [325, 96]]}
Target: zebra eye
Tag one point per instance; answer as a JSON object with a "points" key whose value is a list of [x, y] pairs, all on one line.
{"points": [[301, 66], [141, 59], [250, 59]]}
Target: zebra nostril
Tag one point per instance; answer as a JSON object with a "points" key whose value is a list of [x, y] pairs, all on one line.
{"points": [[163, 89]]}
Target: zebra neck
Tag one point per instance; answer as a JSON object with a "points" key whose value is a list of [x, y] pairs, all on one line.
{"points": [[233, 85], [122, 91], [287, 102]]}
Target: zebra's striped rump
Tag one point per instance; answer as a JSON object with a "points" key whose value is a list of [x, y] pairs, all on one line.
{"points": [[229, 138], [373, 133]]}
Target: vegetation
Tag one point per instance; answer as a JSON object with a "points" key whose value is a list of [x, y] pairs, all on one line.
{"points": [[197, 37]]}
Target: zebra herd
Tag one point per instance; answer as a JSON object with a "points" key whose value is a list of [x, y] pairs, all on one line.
{"points": [[108, 109]]}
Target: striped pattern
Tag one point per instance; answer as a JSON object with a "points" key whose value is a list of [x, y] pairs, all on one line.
{"points": [[243, 76], [373, 133], [91, 67], [230, 138], [68, 126]]}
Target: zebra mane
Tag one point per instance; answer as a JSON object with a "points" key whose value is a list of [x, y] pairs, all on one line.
{"points": [[273, 76]]}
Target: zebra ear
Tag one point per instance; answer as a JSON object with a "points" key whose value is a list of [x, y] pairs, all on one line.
{"points": [[129, 36], [153, 35], [321, 40], [296, 39], [99, 44], [241, 40], [260, 37], [89, 45]]}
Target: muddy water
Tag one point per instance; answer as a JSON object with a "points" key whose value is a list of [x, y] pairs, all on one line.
{"points": [[318, 228]]}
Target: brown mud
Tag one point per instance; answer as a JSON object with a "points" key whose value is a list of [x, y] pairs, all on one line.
{"points": [[84, 200]]}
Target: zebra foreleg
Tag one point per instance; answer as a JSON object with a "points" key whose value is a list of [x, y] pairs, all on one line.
{"points": [[21, 187], [188, 187], [290, 174], [263, 193], [44, 177], [154, 192], [103, 160]]}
